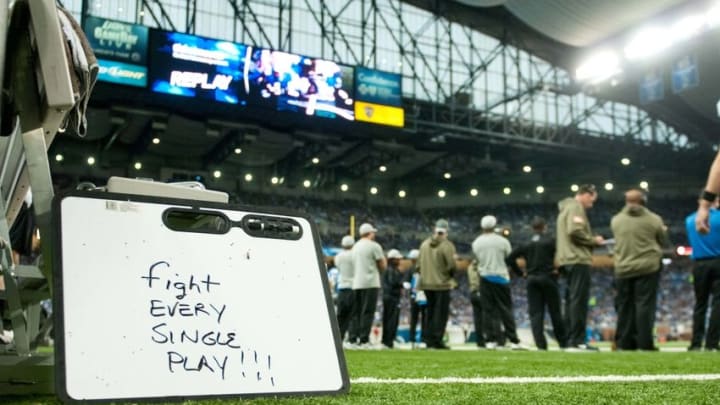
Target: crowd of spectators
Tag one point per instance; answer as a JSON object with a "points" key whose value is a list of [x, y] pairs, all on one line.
{"points": [[404, 228]]}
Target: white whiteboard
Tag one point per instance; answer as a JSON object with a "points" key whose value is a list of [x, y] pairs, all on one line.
{"points": [[147, 312]]}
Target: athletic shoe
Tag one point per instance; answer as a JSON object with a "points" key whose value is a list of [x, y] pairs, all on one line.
{"points": [[491, 345], [694, 348], [581, 348], [440, 346], [419, 345], [518, 346], [349, 346]]}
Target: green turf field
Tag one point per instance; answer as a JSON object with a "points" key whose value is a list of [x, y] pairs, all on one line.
{"points": [[467, 363]]}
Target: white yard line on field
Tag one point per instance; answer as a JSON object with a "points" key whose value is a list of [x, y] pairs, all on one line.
{"points": [[536, 380]]}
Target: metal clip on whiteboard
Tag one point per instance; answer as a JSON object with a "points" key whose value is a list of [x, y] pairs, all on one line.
{"points": [[189, 190], [272, 227]]}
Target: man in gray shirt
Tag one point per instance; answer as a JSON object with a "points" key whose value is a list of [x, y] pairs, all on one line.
{"points": [[490, 251], [368, 261], [344, 263]]}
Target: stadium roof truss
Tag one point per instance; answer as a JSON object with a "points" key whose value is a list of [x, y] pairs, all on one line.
{"points": [[457, 81]]}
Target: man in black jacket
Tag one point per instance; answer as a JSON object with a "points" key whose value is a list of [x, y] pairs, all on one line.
{"points": [[542, 285], [392, 285]]}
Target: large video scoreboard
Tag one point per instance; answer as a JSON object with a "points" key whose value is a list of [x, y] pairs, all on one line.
{"points": [[226, 72]]}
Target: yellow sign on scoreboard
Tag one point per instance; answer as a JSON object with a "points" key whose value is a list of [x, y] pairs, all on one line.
{"points": [[379, 114]]}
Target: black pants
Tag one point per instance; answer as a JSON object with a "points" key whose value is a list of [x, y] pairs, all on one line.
{"points": [[576, 301], [417, 312], [391, 317], [364, 312], [497, 310], [438, 311], [476, 301], [543, 291], [706, 275], [636, 304], [344, 310]]}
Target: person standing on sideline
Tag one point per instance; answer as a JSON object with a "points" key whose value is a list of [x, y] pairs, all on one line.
{"points": [[708, 197], [392, 286], [706, 279], [639, 236], [491, 250], [344, 264], [476, 302], [436, 264], [368, 262], [574, 246], [542, 285], [418, 302]]}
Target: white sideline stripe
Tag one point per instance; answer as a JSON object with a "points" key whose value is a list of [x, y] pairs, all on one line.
{"points": [[536, 380]]}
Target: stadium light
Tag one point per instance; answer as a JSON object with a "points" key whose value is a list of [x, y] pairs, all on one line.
{"points": [[574, 188], [373, 190], [609, 186], [91, 160], [402, 193], [625, 161], [474, 192], [274, 180], [217, 174], [138, 165], [344, 187], [648, 42], [683, 250], [238, 151], [248, 177], [687, 27], [644, 185], [156, 140], [382, 169], [540, 189], [307, 183], [712, 17], [447, 175], [507, 190], [59, 157], [442, 193], [527, 168], [315, 160], [598, 67]]}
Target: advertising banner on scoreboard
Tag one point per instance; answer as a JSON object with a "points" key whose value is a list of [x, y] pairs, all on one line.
{"points": [[121, 49], [192, 66], [685, 74], [122, 73], [115, 40], [378, 87], [379, 114]]}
